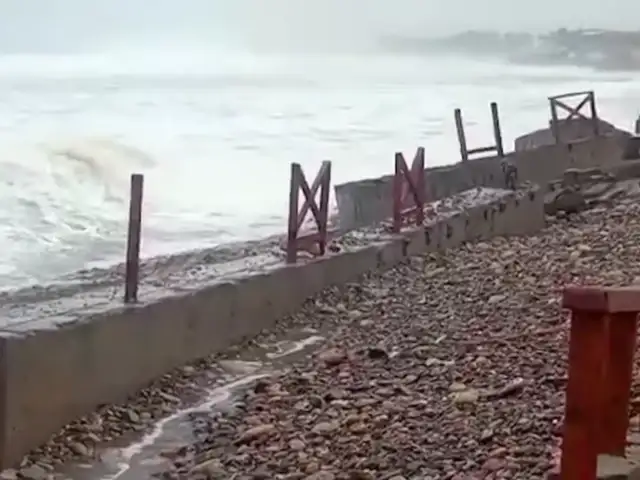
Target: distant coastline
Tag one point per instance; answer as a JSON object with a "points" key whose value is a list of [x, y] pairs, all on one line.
{"points": [[595, 48]]}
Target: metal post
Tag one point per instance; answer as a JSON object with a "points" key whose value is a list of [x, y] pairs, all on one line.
{"points": [[132, 271], [497, 132], [462, 139]]}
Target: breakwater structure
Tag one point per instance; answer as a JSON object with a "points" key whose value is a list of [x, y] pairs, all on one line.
{"points": [[64, 352]]}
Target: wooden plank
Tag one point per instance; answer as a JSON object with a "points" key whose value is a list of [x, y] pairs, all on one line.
{"points": [[408, 183], [320, 211]]}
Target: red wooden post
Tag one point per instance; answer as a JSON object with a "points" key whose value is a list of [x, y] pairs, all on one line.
{"points": [[132, 267], [602, 343], [622, 344], [319, 211], [408, 183]]}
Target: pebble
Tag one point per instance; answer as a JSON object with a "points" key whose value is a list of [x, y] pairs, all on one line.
{"points": [[79, 439], [455, 368], [475, 385], [34, 472]]}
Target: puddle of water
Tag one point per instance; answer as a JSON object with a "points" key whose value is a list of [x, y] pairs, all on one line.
{"points": [[287, 348], [141, 460], [129, 455]]}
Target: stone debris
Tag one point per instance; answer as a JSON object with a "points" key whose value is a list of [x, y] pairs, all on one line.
{"points": [[510, 173], [470, 384], [450, 366], [580, 189], [455, 204]]}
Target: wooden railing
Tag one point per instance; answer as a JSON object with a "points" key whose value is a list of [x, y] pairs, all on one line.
{"points": [[584, 110], [408, 191], [319, 210], [497, 148], [601, 351]]}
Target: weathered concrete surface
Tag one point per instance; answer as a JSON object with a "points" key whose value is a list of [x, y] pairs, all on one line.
{"points": [[570, 131], [611, 468], [369, 201], [68, 356]]}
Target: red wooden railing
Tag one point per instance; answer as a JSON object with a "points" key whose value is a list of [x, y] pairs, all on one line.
{"points": [[602, 345], [559, 103], [408, 190], [319, 210]]}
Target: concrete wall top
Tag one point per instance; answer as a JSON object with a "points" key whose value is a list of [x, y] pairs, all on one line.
{"points": [[570, 131], [61, 366], [369, 201]]}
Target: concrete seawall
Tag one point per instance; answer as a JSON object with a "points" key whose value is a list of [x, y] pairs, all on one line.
{"points": [[67, 357], [369, 201], [63, 354]]}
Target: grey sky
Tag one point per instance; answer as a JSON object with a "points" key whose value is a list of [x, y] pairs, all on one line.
{"points": [[72, 24]]}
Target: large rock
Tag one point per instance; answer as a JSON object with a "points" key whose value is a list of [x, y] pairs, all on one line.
{"points": [[578, 189], [568, 200]]}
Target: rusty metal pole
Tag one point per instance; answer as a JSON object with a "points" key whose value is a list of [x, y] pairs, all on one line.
{"points": [[462, 139], [555, 126], [292, 231], [398, 187], [132, 265], [497, 130], [323, 219]]}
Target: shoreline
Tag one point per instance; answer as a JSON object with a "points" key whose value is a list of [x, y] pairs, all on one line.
{"points": [[85, 351], [64, 357], [374, 340], [171, 274]]}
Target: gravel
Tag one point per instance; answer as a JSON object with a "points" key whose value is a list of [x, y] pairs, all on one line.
{"points": [[450, 366]]}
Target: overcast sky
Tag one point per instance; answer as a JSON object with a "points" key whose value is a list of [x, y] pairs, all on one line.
{"points": [[66, 24]]}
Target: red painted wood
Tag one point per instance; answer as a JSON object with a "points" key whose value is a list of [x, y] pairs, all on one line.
{"points": [[603, 299], [587, 355], [319, 210], [408, 190], [601, 350], [621, 346]]}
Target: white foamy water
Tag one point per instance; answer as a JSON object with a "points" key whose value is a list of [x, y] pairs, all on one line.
{"points": [[214, 132], [219, 395]]}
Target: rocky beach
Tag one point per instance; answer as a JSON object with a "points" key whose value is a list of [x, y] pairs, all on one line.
{"points": [[451, 366]]}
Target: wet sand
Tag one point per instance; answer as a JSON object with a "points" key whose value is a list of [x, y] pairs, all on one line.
{"points": [[142, 458]]}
